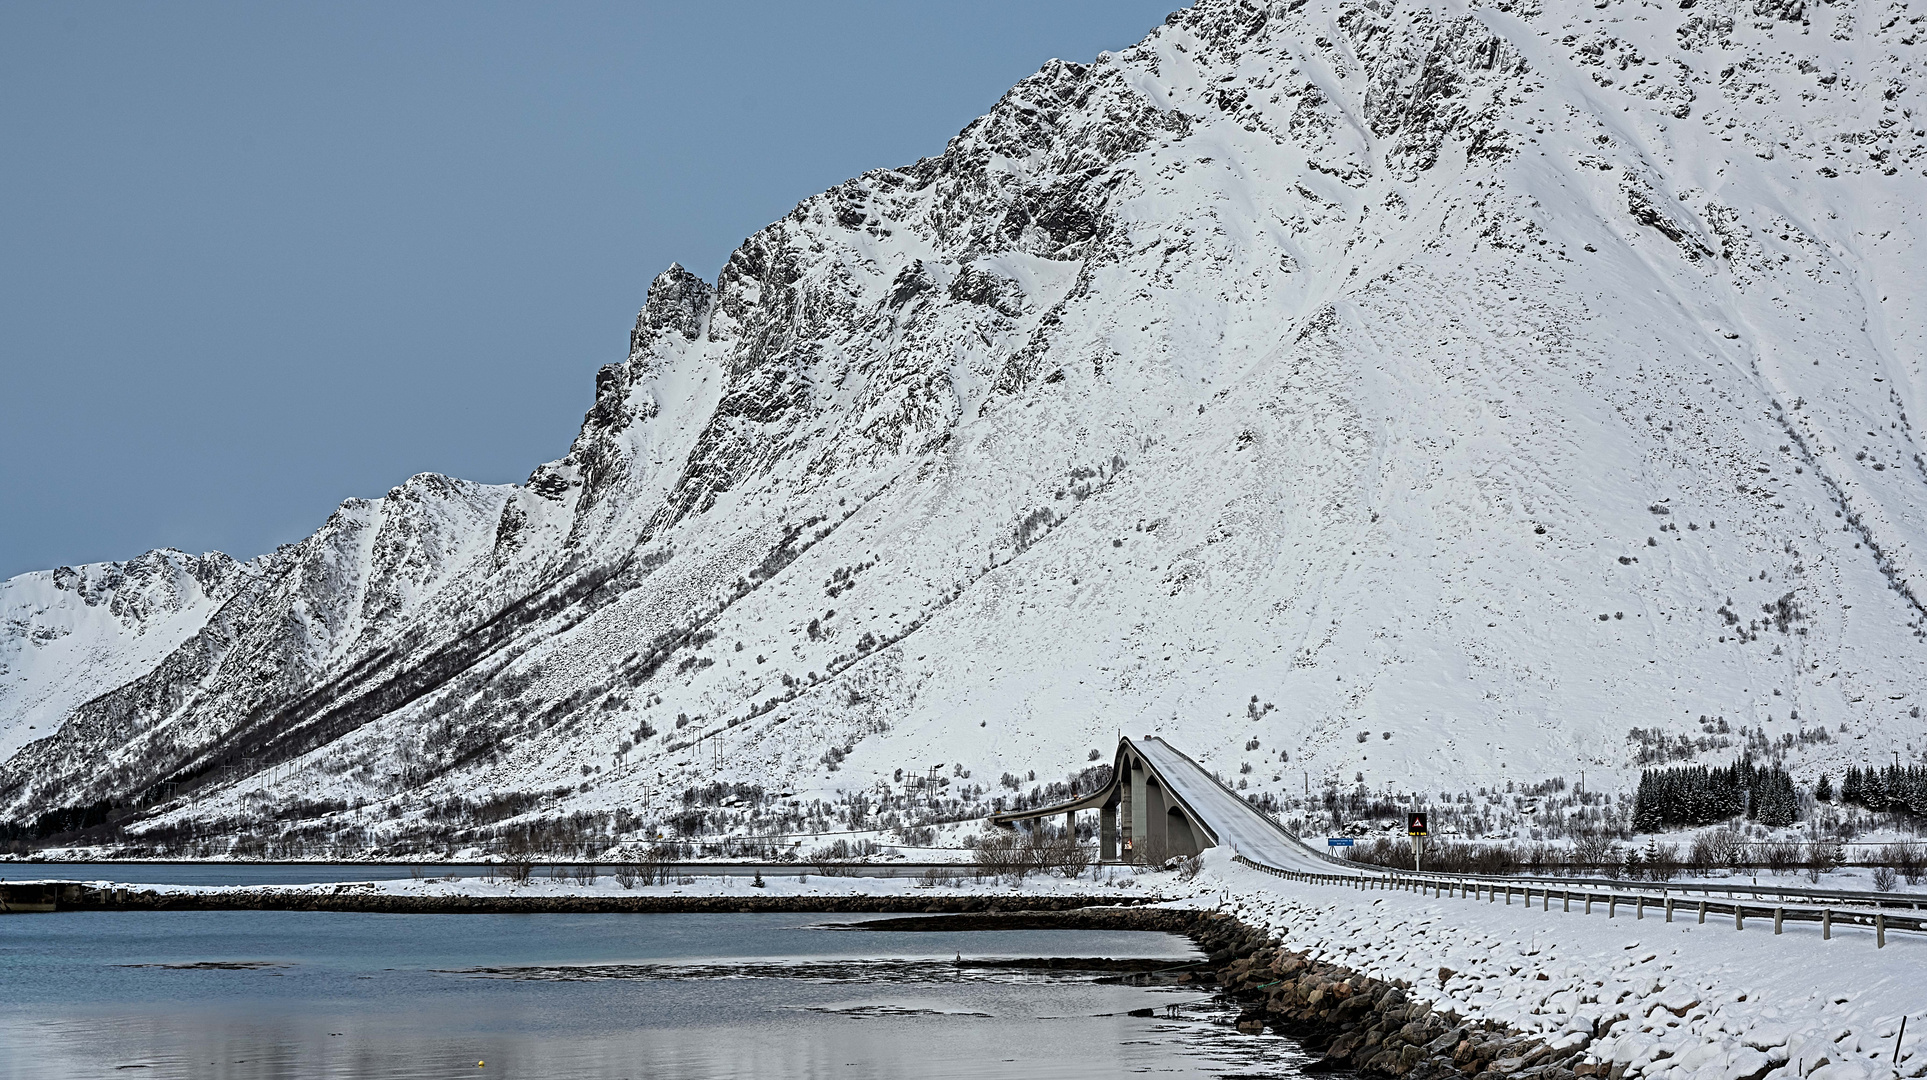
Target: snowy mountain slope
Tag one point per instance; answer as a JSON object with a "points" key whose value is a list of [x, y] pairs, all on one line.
{"points": [[1431, 392], [75, 632]]}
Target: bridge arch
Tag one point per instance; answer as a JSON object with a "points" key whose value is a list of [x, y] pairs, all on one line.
{"points": [[1143, 815]]}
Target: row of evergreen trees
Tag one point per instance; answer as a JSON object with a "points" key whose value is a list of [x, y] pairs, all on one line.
{"points": [[1694, 795], [1896, 787]]}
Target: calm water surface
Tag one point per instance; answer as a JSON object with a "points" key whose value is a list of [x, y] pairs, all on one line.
{"points": [[274, 873], [255, 994]]}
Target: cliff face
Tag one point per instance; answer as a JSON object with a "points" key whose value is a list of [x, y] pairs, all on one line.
{"points": [[1431, 393]]}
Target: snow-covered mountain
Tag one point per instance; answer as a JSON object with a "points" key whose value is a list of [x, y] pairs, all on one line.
{"points": [[1432, 393]]}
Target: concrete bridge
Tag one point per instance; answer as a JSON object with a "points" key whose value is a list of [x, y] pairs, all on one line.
{"points": [[1160, 804]]}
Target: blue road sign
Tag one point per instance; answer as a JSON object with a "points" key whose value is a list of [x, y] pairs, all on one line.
{"points": [[1339, 841]]}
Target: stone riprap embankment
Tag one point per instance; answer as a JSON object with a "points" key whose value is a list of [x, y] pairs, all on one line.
{"points": [[1377, 1028], [1355, 1022]]}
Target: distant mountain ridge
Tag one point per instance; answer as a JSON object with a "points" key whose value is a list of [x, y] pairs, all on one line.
{"points": [[1406, 394]]}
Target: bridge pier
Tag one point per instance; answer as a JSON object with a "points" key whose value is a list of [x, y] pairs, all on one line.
{"points": [[1178, 838], [1107, 832], [1156, 821], [1140, 835]]}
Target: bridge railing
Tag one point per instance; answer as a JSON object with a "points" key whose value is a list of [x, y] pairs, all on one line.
{"points": [[1732, 889], [1587, 894]]}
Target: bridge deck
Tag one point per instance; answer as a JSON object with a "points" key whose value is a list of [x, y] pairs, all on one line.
{"points": [[1235, 823]]}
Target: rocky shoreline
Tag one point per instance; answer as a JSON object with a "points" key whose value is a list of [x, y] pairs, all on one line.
{"points": [[1377, 1028], [1354, 1022]]}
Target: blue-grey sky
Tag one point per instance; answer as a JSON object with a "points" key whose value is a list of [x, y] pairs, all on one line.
{"points": [[259, 258]]}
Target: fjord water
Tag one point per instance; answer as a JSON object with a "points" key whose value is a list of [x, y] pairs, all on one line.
{"points": [[258, 994]]}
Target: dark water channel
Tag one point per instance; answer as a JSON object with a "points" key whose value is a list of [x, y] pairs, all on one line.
{"points": [[256, 994]]}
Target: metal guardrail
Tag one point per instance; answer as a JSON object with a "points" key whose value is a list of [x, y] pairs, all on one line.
{"points": [[1489, 890]]}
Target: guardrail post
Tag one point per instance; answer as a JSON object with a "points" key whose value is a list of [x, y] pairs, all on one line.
{"points": [[1702, 913], [1778, 912], [1739, 921], [1880, 929], [1565, 896], [1589, 903], [1669, 909], [1545, 903], [1826, 924], [1642, 909], [1612, 904]]}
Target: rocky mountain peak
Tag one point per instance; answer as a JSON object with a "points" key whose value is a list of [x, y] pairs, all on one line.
{"points": [[678, 303]]}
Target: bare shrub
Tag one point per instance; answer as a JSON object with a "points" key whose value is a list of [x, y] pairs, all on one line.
{"points": [[1595, 849], [1065, 855], [1662, 862], [654, 867], [1151, 853], [626, 875], [1780, 855], [1883, 878], [1715, 848], [1700, 859], [1906, 859], [1001, 853], [837, 859], [518, 864]]}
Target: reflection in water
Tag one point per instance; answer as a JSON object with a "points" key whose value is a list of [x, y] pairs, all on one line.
{"points": [[248, 995]]}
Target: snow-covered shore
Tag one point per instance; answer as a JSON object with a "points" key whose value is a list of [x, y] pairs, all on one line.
{"points": [[802, 882], [1657, 1001]]}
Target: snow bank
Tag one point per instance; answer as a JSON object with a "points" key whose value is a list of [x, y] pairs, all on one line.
{"points": [[1679, 1001]]}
